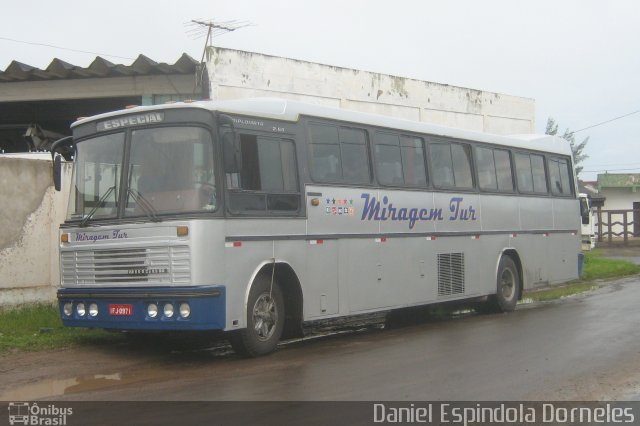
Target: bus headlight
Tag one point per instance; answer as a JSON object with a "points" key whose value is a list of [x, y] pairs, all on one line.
{"points": [[93, 309], [80, 309], [152, 310], [68, 309], [168, 310], [185, 310]]}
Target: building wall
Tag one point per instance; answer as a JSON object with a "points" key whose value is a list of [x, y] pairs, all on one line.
{"points": [[618, 199], [236, 74], [30, 213]]}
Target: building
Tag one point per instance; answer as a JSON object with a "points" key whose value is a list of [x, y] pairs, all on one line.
{"points": [[621, 192]]}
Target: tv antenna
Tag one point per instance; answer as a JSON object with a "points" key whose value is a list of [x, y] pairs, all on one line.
{"points": [[210, 29]]}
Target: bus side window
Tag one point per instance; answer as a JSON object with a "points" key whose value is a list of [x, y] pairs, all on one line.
{"points": [[338, 154], [539, 175], [269, 179], [451, 165], [531, 173], [494, 169], [560, 176], [400, 160]]}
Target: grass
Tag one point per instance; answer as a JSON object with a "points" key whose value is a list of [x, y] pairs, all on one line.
{"points": [[38, 327], [595, 267], [598, 267]]}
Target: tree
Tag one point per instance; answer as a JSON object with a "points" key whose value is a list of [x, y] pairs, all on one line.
{"points": [[577, 149]]}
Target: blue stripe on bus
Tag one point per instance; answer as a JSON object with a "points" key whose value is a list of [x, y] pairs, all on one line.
{"points": [[207, 305]]}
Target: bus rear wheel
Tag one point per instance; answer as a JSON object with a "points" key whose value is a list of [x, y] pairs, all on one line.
{"points": [[507, 288], [265, 321], [508, 282]]}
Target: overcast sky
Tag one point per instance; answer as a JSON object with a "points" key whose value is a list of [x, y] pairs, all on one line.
{"points": [[578, 59]]}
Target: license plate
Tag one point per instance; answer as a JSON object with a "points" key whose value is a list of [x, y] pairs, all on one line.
{"points": [[121, 310]]}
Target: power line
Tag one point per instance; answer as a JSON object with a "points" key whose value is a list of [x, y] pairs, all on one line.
{"points": [[615, 164], [608, 170], [63, 48], [608, 121]]}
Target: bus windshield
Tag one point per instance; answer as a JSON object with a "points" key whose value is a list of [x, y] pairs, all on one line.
{"points": [[168, 170]]}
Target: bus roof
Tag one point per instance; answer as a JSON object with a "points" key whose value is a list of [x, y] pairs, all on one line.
{"points": [[288, 110]]}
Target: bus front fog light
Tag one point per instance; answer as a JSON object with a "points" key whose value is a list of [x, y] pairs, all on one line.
{"points": [[168, 310], [68, 309], [80, 309], [93, 310], [185, 310], [152, 310]]}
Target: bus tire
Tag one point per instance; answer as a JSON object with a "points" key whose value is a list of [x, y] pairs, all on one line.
{"points": [[265, 321], [508, 285]]}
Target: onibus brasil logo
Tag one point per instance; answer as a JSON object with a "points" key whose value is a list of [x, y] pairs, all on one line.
{"points": [[25, 413]]}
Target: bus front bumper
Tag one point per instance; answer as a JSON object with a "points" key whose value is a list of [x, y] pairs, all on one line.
{"points": [[176, 308]]}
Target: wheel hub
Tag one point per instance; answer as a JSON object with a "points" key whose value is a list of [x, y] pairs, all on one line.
{"points": [[265, 316]]}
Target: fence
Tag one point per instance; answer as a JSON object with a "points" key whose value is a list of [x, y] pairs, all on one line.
{"points": [[619, 225]]}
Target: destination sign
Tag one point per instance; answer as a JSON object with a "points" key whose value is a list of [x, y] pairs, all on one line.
{"points": [[131, 120]]}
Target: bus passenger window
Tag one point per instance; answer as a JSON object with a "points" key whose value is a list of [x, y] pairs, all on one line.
{"points": [[531, 173], [494, 169], [451, 165], [559, 176], [338, 154], [503, 170], [441, 165], [269, 179], [355, 158], [388, 159], [539, 176], [413, 161], [400, 160], [523, 173], [486, 169]]}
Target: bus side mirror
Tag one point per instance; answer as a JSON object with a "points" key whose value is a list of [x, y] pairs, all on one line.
{"points": [[62, 148], [232, 152], [57, 171]]}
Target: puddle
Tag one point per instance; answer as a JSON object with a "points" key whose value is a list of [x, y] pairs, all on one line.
{"points": [[56, 387]]}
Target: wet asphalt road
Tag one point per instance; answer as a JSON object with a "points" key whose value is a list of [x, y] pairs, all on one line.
{"points": [[582, 348]]}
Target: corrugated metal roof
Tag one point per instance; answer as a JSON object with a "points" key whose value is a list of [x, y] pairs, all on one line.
{"points": [[99, 68]]}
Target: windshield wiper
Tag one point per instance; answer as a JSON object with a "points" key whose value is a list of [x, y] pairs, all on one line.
{"points": [[100, 203], [147, 208]]}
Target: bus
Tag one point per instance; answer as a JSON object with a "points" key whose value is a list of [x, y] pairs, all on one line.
{"points": [[259, 216]]}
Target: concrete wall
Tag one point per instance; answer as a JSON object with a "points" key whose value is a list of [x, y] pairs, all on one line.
{"points": [[237, 74], [30, 213]]}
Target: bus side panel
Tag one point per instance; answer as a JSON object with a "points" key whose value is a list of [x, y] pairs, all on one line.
{"points": [[254, 248], [536, 213], [320, 281], [533, 251], [562, 256], [566, 214], [499, 213]]}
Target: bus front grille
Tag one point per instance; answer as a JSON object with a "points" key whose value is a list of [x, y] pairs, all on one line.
{"points": [[120, 267], [450, 274]]}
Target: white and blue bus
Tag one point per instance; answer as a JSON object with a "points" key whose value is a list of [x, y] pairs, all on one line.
{"points": [[257, 216]]}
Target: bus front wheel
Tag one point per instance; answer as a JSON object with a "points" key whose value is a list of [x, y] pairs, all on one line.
{"points": [[265, 321]]}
